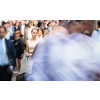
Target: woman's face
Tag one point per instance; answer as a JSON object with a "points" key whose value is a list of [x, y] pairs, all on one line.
{"points": [[34, 33]]}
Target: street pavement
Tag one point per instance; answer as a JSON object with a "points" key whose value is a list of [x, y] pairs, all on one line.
{"points": [[23, 67]]}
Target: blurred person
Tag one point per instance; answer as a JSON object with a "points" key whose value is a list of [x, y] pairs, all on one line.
{"points": [[7, 56], [35, 23], [96, 33], [49, 26], [11, 28], [27, 32], [57, 22], [19, 47], [39, 23], [45, 32], [16, 21], [22, 27], [43, 26], [46, 21], [60, 22], [16, 27], [3, 22], [26, 23], [86, 32], [40, 35], [65, 23], [75, 63]]}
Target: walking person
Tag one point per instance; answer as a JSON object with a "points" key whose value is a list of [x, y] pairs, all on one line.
{"points": [[19, 47], [7, 56]]}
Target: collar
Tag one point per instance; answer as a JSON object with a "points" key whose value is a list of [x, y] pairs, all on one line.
{"points": [[3, 40], [99, 29]]}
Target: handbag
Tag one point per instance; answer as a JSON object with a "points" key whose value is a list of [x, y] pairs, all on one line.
{"points": [[21, 77]]}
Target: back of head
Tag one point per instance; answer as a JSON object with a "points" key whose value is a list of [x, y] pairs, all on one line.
{"points": [[76, 26], [98, 23]]}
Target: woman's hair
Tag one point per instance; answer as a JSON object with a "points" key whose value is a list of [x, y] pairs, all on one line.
{"points": [[3, 28], [33, 29]]}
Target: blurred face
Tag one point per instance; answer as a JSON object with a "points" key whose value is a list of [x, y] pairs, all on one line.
{"points": [[22, 22], [17, 33], [50, 25], [39, 33], [2, 33], [34, 33], [30, 25], [16, 24], [10, 23]]}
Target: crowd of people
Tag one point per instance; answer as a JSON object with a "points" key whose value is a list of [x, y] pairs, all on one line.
{"points": [[57, 50]]}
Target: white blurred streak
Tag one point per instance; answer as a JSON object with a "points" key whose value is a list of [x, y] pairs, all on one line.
{"points": [[61, 57]]}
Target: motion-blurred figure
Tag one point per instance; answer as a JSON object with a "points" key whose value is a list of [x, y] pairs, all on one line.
{"points": [[65, 55]]}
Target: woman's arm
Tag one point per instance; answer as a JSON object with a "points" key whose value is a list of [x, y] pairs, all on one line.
{"points": [[27, 49]]}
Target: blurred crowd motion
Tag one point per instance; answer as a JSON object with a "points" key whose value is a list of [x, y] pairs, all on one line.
{"points": [[56, 50]]}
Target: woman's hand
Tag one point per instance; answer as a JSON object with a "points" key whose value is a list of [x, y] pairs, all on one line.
{"points": [[27, 55]]}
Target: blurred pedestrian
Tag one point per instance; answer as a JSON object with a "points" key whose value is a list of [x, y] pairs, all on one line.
{"points": [[49, 26], [96, 33], [16, 27], [39, 23], [27, 32], [75, 63], [39, 35]]}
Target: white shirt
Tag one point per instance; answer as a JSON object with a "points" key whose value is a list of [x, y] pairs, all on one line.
{"points": [[5, 52], [7, 36], [23, 26], [29, 35], [96, 35]]}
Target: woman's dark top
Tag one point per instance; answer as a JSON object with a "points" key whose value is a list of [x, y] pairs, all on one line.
{"points": [[17, 28], [19, 47]]}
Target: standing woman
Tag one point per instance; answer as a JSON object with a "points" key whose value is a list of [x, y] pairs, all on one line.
{"points": [[31, 44], [19, 47]]}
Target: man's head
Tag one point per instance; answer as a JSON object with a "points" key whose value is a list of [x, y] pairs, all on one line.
{"points": [[30, 24], [98, 24], [49, 24], [10, 23], [22, 22], [76, 26], [2, 32], [45, 32]]}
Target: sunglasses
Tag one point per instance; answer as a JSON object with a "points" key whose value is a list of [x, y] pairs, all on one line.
{"points": [[17, 33]]}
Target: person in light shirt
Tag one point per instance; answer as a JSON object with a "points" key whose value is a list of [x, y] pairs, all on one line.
{"points": [[96, 34]]}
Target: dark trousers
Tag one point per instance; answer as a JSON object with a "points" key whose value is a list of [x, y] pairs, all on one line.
{"points": [[4, 76]]}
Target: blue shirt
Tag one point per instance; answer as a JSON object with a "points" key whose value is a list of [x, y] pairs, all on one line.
{"points": [[96, 35]]}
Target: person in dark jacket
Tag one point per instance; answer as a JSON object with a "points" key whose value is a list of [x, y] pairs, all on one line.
{"points": [[19, 47], [7, 56]]}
